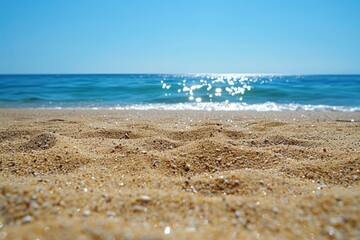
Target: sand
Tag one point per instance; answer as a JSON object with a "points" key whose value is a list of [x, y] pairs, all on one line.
{"points": [[96, 174]]}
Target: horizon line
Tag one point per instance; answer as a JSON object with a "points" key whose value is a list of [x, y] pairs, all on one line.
{"points": [[194, 73]]}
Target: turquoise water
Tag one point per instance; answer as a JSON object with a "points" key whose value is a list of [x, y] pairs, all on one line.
{"points": [[189, 91]]}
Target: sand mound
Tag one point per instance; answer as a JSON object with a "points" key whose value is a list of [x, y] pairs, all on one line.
{"points": [[210, 156], [196, 134], [245, 182], [344, 172], [160, 144], [12, 135], [40, 142], [109, 133]]}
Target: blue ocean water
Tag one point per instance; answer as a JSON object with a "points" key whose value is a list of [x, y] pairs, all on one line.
{"points": [[178, 92]]}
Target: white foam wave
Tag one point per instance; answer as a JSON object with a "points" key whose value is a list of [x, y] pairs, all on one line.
{"points": [[210, 106]]}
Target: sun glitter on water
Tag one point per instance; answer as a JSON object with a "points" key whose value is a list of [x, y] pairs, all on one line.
{"points": [[210, 87]]}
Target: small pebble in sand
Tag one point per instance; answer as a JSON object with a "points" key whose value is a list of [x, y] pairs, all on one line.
{"points": [[111, 213], [86, 213], [190, 229], [167, 230], [11, 164], [137, 208], [26, 219], [144, 199], [193, 189], [154, 163], [187, 167]]}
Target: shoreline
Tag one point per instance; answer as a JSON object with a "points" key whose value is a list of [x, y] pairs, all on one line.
{"points": [[162, 174], [147, 114]]}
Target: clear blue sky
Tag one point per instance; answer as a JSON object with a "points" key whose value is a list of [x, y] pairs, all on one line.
{"points": [[183, 36]]}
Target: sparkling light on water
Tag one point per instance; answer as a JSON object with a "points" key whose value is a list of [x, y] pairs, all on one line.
{"points": [[224, 88]]}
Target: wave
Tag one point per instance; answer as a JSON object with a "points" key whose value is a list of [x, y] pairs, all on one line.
{"points": [[210, 106]]}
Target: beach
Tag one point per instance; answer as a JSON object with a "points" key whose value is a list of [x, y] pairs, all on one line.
{"points": [[152, 174]]}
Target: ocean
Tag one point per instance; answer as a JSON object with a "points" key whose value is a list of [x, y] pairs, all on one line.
{"points": [[182, 92]]}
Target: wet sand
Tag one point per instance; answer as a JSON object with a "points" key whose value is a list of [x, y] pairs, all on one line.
{"points": [[86, 174]]}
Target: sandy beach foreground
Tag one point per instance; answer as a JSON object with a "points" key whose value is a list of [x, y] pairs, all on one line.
{"points": [[97, 174]]}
